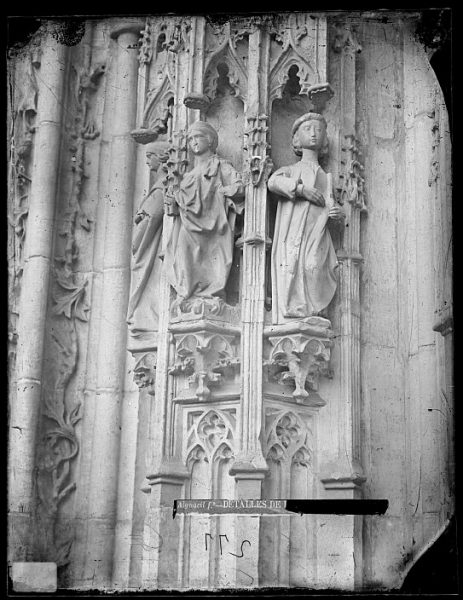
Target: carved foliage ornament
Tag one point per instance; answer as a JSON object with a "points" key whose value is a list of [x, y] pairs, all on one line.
{"points": [[145, 53], [352, 188], [162, 33], [24, 99], [68, 295], [206, 358], [300, 359], [59, 444]]}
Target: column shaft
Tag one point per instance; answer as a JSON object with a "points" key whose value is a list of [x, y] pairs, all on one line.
{"points": [[113, 329], [25, 408], [250, 452]]}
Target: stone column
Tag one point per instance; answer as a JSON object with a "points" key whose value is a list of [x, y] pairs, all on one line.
{"points": [[250, 466], [24, 411], [343, 477], [167, 473], [111, 358]]}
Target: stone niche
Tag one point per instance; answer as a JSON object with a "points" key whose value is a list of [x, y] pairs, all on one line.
{"points": [[230, 262]]}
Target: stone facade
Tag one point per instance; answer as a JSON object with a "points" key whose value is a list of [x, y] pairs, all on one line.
{"points": [[138, 376]]}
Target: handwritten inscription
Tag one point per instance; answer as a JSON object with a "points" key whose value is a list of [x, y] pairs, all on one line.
{"points": [[223, 535]]}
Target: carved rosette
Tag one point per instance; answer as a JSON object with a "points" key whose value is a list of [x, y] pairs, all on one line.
{"points": [[206, 357], [300, 355]]}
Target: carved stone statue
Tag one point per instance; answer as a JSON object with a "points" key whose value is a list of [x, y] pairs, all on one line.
{"points": [[142, 314], [303, 257], [200, 250]]}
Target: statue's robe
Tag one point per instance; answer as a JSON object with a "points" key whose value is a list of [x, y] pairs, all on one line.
{"points": [[199, 252], [303, 257], [143, 310]]}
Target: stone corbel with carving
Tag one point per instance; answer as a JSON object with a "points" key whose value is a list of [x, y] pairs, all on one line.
{"points": [[144, 372], [300, 355], [205, 354]]}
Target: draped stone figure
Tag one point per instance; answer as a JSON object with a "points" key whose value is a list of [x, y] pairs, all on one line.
{"points": [[303, 257], [142, 314], [199, 252]]}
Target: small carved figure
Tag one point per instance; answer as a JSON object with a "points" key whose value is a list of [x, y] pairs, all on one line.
{"points": [[142, 315], [200, 250], [303, 257]]}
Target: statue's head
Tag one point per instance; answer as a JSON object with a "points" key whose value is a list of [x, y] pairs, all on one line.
{"points": [[202, 137], [309, 131], [156, 154]]}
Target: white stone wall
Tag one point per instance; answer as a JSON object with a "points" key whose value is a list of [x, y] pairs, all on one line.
{"points": [[404, 442]]}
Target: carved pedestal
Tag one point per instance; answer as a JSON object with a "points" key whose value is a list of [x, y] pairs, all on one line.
{"points": [[299, 355], [297, 370], [205, 346]]}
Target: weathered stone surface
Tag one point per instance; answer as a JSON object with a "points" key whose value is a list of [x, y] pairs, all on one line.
{"points": [[210, 395]]}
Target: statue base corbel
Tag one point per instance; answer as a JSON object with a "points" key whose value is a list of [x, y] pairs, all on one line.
{"points": [[206, 344], [300, 355]]}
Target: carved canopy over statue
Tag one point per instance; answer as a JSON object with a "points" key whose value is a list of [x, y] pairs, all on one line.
{"points": [[200, 250], [303, 257]]}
